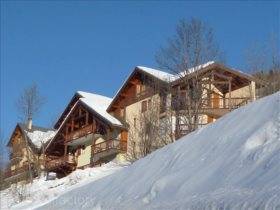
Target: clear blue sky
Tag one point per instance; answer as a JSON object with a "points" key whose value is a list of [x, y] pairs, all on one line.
{"points": [[93, 46]]}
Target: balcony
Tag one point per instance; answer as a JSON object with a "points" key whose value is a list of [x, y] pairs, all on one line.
{"points": [[80, 133], [218, 107], [107, 149], [60, 163], [17, 171]]}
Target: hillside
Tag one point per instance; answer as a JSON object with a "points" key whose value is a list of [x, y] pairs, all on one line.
{"points": [[233, 163]]}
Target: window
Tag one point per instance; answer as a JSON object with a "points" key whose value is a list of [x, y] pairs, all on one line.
{"points": [[149, 103], [122, 113], [144, 106], [163, 100], [143, 88], [134, 122], [138, 89]]}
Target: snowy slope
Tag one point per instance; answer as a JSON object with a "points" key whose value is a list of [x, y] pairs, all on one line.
{"points": [[233, 163], [42, 191]]}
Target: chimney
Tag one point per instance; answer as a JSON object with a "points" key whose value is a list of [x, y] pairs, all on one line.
{"points": [[29, 123]]}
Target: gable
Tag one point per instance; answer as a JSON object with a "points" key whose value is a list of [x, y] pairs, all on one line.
{"points": [[140, 80], [68, 108], [16, 137], [221, 73]]}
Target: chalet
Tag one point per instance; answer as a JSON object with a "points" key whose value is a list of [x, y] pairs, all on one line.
{"points": [[224, 89], [93, 129], [26, 150], [86, 135]]}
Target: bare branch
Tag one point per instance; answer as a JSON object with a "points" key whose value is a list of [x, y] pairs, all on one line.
{"points": [[30, 102]]}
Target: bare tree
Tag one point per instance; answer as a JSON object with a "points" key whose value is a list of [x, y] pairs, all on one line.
{"points": [[192, 45], [263, 61], [28, 105], [3, 161], [30, 102]]}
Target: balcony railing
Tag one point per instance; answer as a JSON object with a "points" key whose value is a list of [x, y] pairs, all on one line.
{"points": [[59, 161], [225, 103], [79, 133], [215, 103], [108, 145], [16, 171]]}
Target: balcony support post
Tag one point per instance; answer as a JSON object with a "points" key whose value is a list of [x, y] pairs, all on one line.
{"points": [[229, 94]]}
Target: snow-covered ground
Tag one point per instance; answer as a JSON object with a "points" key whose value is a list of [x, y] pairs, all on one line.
{"points": [[233, 163], [42, 191]]}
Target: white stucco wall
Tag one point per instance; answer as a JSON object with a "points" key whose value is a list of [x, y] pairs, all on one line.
{"points": [[84, 157]]}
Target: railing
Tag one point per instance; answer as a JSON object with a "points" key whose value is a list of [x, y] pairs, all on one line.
{"points": [[57, 161], [22, 169], [79, 133], [110, 144], [215, 103]]}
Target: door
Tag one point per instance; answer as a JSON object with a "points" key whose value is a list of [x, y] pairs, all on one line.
{"points": [[215, 100], [123, 142]]}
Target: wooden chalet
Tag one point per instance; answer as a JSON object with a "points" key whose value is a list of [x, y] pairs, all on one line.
{"points": [[26, 151], [224, 89], [86, 135]]}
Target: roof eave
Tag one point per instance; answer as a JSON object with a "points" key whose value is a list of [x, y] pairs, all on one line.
{"points": [[136, 69]]}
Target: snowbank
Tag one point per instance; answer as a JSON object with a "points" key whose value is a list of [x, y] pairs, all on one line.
{"points": [[42, 191], [233, 163]]}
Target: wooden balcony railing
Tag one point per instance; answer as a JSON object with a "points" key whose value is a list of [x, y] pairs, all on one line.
{"points": [[58, 161], [225, 103], [16, 171], [216, 103], [79, 133], [110, 144]]}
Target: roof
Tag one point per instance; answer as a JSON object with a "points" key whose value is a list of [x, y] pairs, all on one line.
{"points": [[37, 136], [175, 78], [192, 70], [162, 75], [99, 105]]}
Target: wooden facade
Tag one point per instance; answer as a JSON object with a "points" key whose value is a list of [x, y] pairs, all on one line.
{"points": [[25, 157], [84, 139], [221, 87]]}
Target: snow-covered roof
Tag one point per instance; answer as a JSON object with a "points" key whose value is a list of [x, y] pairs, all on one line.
{"points": [[168, 77], [192, 70], [38, 138], [96, 103], [162, 75], [99, 104]]}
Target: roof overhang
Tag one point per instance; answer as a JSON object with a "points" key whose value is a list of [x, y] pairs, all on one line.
{"points": [[131, 75], [243, 78]]}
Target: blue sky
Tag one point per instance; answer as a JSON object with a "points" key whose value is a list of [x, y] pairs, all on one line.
{"points": [[93, 46]]}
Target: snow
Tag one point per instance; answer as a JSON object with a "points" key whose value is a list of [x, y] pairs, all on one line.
{"points": [[99, 104], [157, 73], [233, 163], [39, 138], [192, 70], [172, 77], [42, 191]]}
